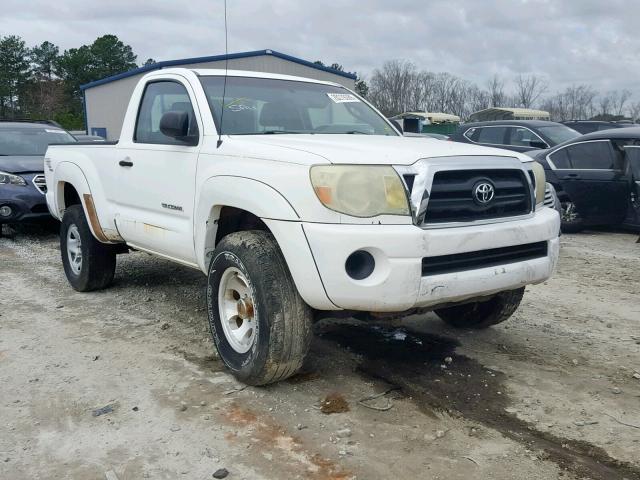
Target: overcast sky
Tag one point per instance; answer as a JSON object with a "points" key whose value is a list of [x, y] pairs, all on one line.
{"points": [[568, 41]]}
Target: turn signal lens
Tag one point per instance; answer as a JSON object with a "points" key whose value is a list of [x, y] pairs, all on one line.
{"points": [[541, 180]]}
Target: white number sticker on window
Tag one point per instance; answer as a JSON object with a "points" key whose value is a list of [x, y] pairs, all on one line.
{"points": [[342, 97]]}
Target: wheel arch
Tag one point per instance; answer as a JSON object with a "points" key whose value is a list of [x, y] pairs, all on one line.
{"points": [[256, 206], [72, 188], [230, 203]]}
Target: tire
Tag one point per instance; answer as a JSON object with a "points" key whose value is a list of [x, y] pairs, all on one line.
{"points": [[479, 315], [570, 220], [96, 264], [248, 275]]}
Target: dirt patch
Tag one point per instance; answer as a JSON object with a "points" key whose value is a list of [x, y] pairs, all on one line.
{"points": [[273, 439], [334, 403], [427, 369]]}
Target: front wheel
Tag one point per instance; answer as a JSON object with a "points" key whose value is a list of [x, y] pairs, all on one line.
{"points": [[88, 264], [260, 325], [483, 314]]}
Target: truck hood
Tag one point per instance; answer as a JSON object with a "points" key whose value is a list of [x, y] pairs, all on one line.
{"points": [[21, 164], [375, 149]]}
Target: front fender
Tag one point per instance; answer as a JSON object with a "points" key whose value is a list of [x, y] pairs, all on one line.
{"points": [[279, 215], [240, 192]]}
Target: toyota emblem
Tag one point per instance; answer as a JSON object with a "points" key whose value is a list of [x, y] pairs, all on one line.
{"points": [[484, 192]]}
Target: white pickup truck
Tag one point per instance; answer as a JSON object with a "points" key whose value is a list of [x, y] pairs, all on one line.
{"points": [[299, 200]]}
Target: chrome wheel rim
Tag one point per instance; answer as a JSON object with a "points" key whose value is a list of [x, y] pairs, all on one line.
{"points": [[569, 212], [236, 309], [74, 249]]}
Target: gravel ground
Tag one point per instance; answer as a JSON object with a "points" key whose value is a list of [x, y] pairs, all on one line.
{"points": [[124, 383]]}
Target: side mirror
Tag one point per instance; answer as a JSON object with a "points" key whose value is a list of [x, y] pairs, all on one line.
{"points": [[176, 125], [537, 144], [397, 125]]}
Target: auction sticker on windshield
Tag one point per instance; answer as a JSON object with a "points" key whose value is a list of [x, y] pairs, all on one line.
{"points": [[342, 97]]}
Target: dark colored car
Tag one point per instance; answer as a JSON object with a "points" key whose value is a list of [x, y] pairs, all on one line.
{"points": [[597, 177], [22, 182], [437, 136], [516, 135], [590, 126]]}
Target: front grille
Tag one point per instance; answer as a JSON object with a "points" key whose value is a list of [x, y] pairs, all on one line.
{"points": [[494, 257], [549, 200], [452, 195], [40, 183]]}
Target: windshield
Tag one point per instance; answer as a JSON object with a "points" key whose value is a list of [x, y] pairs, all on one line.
{"points": [[259, 106], [558, 133], [23, 141]]}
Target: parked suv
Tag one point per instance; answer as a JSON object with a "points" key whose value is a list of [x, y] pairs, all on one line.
{"points": [[516, 135], [22, 182], [596, 178], [590, 126]]}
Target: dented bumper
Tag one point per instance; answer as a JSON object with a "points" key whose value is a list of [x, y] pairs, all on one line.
{"points": [[399, 281]]}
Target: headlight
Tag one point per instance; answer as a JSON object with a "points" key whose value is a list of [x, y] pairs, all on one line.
{"points": [[541, 180], [10, 179], [360, 191]]}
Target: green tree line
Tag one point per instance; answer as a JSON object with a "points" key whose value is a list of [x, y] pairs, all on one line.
{"points": [[41, 82]]}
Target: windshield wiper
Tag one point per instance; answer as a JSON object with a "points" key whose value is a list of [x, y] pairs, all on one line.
{"points": [[275, 132], [356, 132]]}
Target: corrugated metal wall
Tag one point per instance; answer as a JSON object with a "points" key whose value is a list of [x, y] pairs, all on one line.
{"points": [[107, 104]]}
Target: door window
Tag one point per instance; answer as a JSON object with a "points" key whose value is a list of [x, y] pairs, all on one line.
{"points": [[585, 156], [523, 137], [493, 135], [472, 134], [560, 159], [158, 99]]}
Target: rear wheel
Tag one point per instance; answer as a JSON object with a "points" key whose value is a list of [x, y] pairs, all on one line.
{"points": [[483, 314], [88, 263], [260, 325], [571, 221]]}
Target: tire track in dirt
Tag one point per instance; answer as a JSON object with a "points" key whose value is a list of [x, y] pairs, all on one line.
{"points": [[413, 361]]}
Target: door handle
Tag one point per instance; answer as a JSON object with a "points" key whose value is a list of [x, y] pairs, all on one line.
{"points": [[126, 162], [573, 175]]}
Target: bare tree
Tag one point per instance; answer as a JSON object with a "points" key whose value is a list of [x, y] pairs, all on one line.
{"points": [[496, 92], [605, 102], [399, 87], [619, 101], [528, 89], [477, 99], [575, 102], [634, 111], [391, 88]]}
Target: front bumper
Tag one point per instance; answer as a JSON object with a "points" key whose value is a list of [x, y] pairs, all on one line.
{"points": [[397, 283], [27, 203]]}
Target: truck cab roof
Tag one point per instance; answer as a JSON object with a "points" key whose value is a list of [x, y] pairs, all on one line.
{"points": [[203, 72]]}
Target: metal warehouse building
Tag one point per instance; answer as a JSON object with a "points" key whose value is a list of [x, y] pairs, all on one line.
{"points": [[106, 100]]}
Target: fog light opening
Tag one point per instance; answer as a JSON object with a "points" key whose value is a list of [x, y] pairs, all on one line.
{"points": [[6, 211], [360, 264]]}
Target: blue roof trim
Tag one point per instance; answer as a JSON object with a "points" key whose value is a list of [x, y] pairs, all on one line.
{"points": [[215, 58]]}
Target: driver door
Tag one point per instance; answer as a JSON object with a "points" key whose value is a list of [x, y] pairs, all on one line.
{"points": [[157, 174], [591, 175]]}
